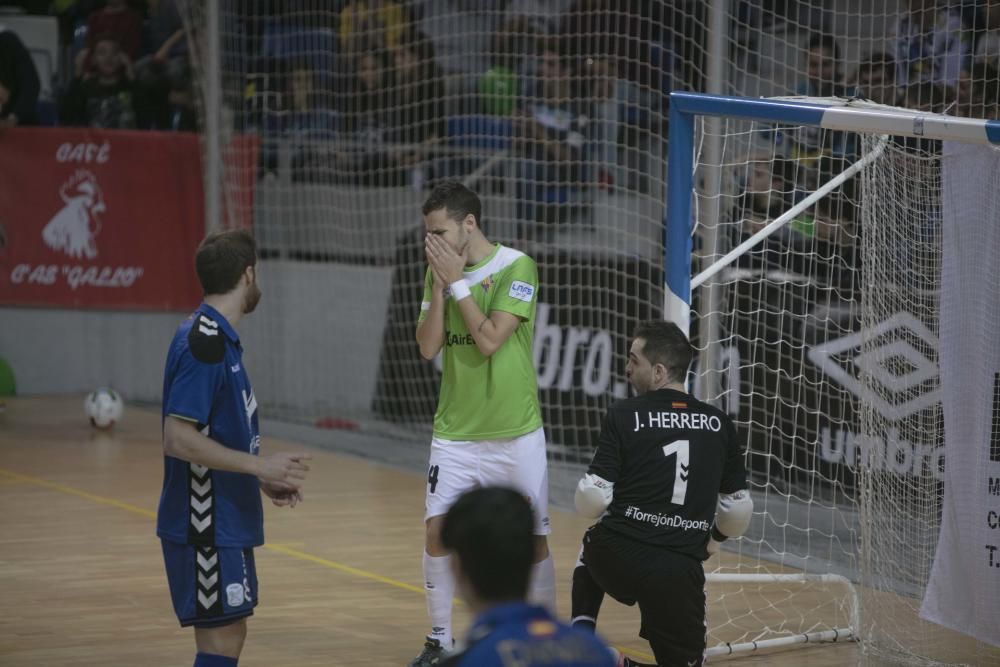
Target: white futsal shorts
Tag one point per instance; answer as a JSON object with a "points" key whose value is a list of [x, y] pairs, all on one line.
{"points": [[457, 466]]}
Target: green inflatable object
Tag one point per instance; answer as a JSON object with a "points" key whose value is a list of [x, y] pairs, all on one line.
{"points": [[7, 384]]}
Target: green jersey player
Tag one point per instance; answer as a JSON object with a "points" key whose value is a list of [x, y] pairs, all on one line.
{"points": [[478, 311]]}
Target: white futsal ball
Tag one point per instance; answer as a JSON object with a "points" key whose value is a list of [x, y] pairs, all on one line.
{"points": [[104, 407]]}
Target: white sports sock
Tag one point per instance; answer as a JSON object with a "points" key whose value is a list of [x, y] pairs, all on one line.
{"points": [[542, 590], [440, 586]]}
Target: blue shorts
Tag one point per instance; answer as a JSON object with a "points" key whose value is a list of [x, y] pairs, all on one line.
{"points": [[210, 586]]}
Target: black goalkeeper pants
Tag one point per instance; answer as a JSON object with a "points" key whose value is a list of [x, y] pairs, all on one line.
{"points": [[669, 588]]}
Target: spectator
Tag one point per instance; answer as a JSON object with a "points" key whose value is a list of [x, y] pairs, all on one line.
{"points": [[166, 41], [875, 79], [656, 44], [19, 83], [607, 93], [762, 200], [373, 21], [366, 119], [416, 110], [551, 125], [460, 31], [653, 40], [499, 86], [310, 125], [825, 78], [539, 16], [931, 44], [180, 102], [104, 97], [160, 73], [987, 40], [977, 91], [927, 96], [763, 197], [118, 20], [986, 93], [824, 234]]}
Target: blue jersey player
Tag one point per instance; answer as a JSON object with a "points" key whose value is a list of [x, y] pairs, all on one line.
{"points": [[489, 534], [210, 516]]}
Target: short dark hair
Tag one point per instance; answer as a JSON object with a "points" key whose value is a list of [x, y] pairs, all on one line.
{"points": [[666, 344], [222, 258], [458, 201], [491, 530], [877, 61], [822, 40]]}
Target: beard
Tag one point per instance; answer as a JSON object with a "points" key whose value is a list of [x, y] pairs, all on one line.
{"points": [[639, 384], [251, 298]]}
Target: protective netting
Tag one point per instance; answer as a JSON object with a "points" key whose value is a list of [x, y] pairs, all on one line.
{"points": [[337, 117]]}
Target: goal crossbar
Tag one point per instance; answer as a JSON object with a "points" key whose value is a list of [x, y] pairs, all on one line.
{"points": [[832, 114]]}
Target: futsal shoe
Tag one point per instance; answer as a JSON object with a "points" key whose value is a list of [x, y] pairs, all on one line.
{"points": [[432, 654]]}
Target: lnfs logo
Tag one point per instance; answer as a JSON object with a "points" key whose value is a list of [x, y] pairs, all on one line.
{"points": [[74, 228]]}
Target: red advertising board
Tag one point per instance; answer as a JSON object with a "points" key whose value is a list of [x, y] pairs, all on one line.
{"points": [[99, 219]]}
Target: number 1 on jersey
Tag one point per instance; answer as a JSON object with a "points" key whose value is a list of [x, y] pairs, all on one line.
{"points": [[680, 448]]}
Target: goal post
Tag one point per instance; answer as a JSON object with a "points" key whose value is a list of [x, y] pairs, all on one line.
{"points": [[823, 220]]}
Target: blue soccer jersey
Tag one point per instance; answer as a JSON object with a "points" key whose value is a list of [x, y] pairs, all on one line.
{"points": [[205, 383], [520, 634]]}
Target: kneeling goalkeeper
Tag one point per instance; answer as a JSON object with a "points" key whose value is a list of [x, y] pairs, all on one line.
{"points": [[669, 484]]}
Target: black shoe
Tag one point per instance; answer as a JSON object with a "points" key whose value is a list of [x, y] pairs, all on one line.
{"points": [[431, 655]]}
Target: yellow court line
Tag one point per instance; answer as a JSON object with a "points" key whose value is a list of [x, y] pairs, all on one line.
{"points": [[278, 548], [101, 500], [301, 555], [288, 551]]}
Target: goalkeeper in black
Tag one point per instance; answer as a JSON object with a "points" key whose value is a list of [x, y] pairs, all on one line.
{"points": [[669, 484]]}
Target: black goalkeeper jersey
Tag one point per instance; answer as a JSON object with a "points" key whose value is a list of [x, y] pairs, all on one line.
{"points": [[669, 456]]}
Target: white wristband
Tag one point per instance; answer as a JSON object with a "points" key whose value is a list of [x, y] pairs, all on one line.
{"points": [[459, 289]]}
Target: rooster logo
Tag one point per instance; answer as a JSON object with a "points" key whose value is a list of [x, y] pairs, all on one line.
{"points": [[74, 228]]}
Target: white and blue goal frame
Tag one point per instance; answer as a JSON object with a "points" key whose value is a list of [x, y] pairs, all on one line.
{"points": [[680, 224], [829, 114]]}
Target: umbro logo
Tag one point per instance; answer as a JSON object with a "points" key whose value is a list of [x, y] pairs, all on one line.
{"points": [[898, 356], [235, 368]]}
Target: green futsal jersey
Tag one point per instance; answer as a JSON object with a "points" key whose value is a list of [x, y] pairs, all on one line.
{"points": [[496, 397]]}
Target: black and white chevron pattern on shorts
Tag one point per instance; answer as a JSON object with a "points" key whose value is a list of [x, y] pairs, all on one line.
{"points": [[209, 585], [201, 528]]}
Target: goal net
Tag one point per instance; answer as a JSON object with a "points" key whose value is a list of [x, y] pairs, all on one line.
{"points": [[817, 303], [331, 121]]}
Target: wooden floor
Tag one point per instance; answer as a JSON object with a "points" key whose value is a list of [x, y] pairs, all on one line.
{"points": [[81, 573]]}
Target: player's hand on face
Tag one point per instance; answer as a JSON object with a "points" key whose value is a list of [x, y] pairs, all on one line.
{"points": [[443, 258], [439, 281], [283, 468]]}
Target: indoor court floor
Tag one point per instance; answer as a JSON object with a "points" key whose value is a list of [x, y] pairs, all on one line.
{"points": [[82, 579]]}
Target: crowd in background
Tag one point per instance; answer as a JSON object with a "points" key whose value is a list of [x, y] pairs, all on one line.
{"points": [[125, 67], [388, 92]]}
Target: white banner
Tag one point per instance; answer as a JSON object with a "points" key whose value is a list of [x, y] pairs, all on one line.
{"points": [[963, 592]]}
